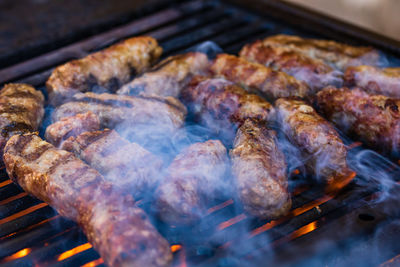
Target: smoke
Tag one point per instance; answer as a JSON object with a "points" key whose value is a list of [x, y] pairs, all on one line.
{"points": [[374, 171], [209, 48]]}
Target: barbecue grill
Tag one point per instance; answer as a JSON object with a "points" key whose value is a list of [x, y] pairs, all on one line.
{"points": [[357, 226]]}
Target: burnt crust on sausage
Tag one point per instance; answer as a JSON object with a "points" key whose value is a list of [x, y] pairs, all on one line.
{"points": [[317, 140], [107, 69], [373, 119], [258, 78], [117, 228]]}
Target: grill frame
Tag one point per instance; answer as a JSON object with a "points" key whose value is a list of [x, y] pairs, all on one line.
{"points": [[173, 25]]}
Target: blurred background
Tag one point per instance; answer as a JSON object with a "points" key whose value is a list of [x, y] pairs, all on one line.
{"points": [[37, 26], [381, 16]]}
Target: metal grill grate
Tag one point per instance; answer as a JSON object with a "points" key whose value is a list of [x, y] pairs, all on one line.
{"points": [[33, 234]]}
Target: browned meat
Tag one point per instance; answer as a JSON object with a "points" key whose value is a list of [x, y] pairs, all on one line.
{"points": [[169, 76], [315, 72], [337, 55], [374, 80], [103, 71], [117, 228], [317, 140], [136, 118], [222, 106], [126, 165], [194, 178], [259, 169], [21, 111], [59, 131], [374, 119], [258, 78]]}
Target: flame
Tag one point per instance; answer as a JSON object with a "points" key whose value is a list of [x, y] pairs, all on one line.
{"points": [[93, 263], [175, 248], [339, 183], [310, 205], [17, 255], [69, 253], [296, 172], [232, 221], [220, 206], [5, 183], [304, 230], [22, 213]]}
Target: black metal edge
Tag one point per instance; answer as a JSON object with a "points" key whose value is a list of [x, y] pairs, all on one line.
{"points": [[314, 21]]}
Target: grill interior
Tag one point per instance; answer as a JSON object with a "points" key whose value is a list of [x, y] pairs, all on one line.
{"points": [[33, 234]]}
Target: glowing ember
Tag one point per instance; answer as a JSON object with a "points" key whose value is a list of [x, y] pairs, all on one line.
{"points": [[296, 172], [69, 253], [17, 255], [310, 205], [220, 206], [232, 221], [304, 230], [22, 213], [338, 184], [175, 248], [5, 183], [93, 263]]}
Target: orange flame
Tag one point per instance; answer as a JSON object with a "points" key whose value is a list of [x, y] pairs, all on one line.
{"points": [[17, 255], [69, 253], [93, 263], [339, 183], [296, 172], [310, 205], [231, 222], [175, 248], [304, 230], [22, 213]]}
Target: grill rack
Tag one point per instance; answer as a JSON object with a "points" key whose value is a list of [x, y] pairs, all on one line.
{"points": [[32, 233]]}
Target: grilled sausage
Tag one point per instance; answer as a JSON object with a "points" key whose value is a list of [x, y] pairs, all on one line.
{"points": [[314, 71], [21, 111], [59, 131], [374, 119], [317, 140], [257, 78], [169, 76], [374, 80], [117, 228], [126, 165], [136, 118], [338, 55], [259, 169], [195, 176], [103, 71], [222, 106]]}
